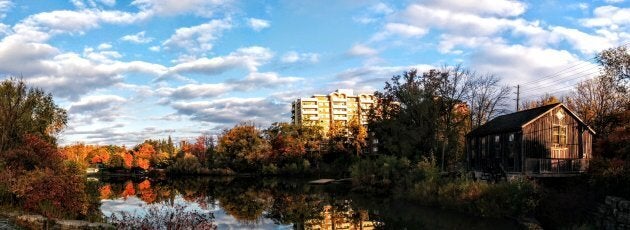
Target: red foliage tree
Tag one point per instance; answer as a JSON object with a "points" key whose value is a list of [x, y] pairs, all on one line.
{"points": [[54, 194], [35, 153]]}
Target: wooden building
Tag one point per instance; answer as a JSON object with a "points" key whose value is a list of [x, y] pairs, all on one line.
{"points": [[546, 141]]}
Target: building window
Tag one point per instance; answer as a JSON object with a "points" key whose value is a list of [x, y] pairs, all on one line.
{"points": [[511, 137], [496, 139], [559, 134]]}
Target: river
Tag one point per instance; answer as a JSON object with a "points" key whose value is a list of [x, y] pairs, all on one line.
{"points": [[273, 203]]}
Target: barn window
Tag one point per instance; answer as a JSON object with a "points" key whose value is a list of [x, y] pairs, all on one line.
{"points": [[559, 134], [496, 139], [511, 137]]}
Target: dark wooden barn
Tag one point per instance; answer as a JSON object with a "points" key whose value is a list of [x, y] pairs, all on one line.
{"points": [[545, 141]]}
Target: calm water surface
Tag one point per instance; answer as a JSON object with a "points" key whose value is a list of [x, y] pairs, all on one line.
{"points": [[272, 203]]}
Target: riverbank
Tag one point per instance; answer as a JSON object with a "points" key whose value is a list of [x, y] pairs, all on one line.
{"points": [[20, 219]]}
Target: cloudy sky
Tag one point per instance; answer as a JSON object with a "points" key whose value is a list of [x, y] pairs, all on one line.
{"points": [[131, 70]]}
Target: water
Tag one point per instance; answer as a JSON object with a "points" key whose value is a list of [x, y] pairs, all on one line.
{"points": [[5, 224], [272, 203]]}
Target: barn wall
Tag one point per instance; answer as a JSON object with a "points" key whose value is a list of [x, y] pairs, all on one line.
{"points": [[538, 142]]}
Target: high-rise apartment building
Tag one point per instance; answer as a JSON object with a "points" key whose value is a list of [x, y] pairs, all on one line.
{"points": [[338, 107]]}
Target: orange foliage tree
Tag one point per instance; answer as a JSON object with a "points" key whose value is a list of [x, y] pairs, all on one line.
{"points": [[144, 155], [128, 160]]}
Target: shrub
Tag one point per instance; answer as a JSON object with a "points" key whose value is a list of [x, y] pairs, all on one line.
{"points": [[52, 194], [379, 174], [158, 217], [183, 166], [270, 169]]}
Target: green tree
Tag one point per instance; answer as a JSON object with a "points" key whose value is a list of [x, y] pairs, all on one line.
{"points": [[25, 110]]}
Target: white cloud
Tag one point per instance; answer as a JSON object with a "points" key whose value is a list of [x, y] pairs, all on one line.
{"points": [[252, 81], [138, 38], [232, 110], [155, 48], [5, 6], [95, 104], [195, 91], [501, 8], [374, 13], [249, 57], [401, 29], [362, 50], [258, 24], [197, 39], [104, 46], [585, 43], [519, 64], [612, 17], [264, 80], [295, 57], [613, 1], [205, 8]]}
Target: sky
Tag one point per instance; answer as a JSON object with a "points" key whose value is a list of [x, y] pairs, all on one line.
{"points": [[127, 71]]}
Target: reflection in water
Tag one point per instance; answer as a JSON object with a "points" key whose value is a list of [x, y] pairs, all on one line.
{"points": [[245, 203]]}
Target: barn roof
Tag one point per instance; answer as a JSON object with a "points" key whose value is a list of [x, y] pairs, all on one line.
{"points": [[511, 122]]}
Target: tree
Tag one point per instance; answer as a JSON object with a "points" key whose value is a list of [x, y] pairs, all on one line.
{"points": [[596, 102], [144, 155], [616, 63], [546, 99], [487, 99], [25, 110], [243, 147], [358, 136], [405, 118]]}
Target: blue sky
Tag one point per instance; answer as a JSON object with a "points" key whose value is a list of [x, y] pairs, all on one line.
{"points": [[131, 70]]}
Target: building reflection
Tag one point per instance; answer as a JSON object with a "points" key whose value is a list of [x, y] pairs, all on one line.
{"points": [[340, 218]]}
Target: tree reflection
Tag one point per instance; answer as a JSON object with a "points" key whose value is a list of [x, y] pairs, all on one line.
{"points": [[248, 200]]}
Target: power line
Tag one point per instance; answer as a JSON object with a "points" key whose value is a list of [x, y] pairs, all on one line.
{"points": [[576, 76], [566, 69]]}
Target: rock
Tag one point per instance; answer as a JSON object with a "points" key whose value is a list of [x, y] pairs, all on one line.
{"points": [[612, 201], [32, 221], [624, 206], [78, 224]]}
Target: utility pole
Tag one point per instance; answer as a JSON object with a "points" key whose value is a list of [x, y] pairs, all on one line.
{"points": [[518, 94]]}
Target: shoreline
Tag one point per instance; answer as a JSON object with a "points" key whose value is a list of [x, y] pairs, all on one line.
{"points": [[25, 220]]}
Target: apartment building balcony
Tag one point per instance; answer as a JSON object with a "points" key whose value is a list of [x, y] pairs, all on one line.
{"points": [[309, 112], [309, 106]]}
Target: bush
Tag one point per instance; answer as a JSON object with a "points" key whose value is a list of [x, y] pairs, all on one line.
{"points": [[184, 166], [52, 194], [156, 217], [514, 198], [610, 177], [270, 169], [380, 174]]}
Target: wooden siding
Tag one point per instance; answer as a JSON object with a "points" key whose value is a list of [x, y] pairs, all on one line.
{"points": [[539, 139], [533, 149]]}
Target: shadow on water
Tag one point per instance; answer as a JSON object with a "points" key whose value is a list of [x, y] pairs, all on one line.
{"points": [[273, 203]]}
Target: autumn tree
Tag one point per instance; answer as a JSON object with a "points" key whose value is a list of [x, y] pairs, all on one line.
{"points": [[357, 135], [203, 149], [143, 156], [25, 110], [546, 99], [242, 147], [78, 153], [100, 155]]}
